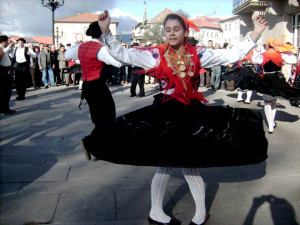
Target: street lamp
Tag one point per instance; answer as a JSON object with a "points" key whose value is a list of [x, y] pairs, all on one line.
{"points": [[52, 5], [57, 35]]}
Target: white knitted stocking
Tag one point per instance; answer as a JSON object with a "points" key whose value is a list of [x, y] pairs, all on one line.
{"points": [[197, 188], [158, 189]]}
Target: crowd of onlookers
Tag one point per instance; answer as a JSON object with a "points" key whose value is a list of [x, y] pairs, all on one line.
{"points": [[44, 66]]}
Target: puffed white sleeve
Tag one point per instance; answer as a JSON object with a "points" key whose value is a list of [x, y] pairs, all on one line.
{"points": [[217, 57], [134, 57], [104, 56], [72, 52], [289, 58]]}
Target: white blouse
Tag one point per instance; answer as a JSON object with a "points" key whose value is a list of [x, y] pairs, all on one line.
{"points": [[150, 58]]}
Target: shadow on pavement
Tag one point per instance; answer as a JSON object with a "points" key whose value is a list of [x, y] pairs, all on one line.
{"points": [[282, 211]]}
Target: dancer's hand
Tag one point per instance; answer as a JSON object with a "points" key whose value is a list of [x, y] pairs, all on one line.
{"points": [[104, 22], [260, 25]]}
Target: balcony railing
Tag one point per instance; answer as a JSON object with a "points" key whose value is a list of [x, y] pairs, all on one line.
{"points": [[247, 6]]}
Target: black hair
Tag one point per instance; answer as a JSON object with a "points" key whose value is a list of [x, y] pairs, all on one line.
{"points": [[225, 45], [134, 44], [175, 17], [94, 30], [192, 41], [3, 38]]}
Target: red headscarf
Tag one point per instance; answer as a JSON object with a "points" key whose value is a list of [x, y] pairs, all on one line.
{"points": [[189, 23]]}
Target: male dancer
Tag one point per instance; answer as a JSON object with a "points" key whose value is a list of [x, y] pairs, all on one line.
{"points": [[93, 58]]}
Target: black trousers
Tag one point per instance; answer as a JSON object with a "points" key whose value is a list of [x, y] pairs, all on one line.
{"points": [[5, 88], [21, 77], [102, 110], [135, 79]]}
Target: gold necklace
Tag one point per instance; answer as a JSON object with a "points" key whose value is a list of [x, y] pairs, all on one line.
{"points": [[181, 64]]}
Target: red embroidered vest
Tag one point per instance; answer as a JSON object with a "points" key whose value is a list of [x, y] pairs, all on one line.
{"points": [[90, 65]]}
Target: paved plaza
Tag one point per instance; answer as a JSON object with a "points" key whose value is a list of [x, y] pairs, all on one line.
{"points": [[45, 178]]}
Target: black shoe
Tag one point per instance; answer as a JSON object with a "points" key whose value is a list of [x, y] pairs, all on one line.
{"points": [[83, 143], [9, 111], [132, 95], [140, 96], [46, 87], [20, 98], [206, 218], [172, 222]]}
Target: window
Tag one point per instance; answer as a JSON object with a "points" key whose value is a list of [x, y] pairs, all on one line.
{"points": [[296, 31]]}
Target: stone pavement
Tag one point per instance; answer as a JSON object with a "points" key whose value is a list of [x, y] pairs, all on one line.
{"points": [[45, 178]]}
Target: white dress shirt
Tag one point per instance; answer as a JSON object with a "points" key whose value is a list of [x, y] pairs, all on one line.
{"points": [[102, 55], [148, 59]]}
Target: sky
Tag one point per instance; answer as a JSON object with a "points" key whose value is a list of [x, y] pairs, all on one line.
{"points": [[29, 18]]}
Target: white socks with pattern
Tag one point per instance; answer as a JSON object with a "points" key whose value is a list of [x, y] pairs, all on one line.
{"points": [[158, 189], [159, 186]]}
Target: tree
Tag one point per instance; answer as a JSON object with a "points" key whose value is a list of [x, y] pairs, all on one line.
{"points": [[154, 33], [183, 13]]}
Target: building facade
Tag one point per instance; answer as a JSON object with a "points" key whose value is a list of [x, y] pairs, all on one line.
{"points": [[283, 18], [231, 30], [72, 28]]}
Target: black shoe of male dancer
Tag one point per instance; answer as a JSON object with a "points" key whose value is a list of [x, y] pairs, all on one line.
{"points": [[85, 143], [206, 218], [172, 222]]}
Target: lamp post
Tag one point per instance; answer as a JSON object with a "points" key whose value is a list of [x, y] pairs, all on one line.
{"points": [[52, 5], [58, 36]]}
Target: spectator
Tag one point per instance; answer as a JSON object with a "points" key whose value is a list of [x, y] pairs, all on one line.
{"points": [[208, 70], [46, 65], [22, 57], [136, 78], [53, 54], [149, 80], [32, 64], [215, 74], [62, 63], [37, 71], [6, 79]]}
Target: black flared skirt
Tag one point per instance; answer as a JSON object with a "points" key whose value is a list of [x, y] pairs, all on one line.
{"points": [[273, 84], [169, 133]]}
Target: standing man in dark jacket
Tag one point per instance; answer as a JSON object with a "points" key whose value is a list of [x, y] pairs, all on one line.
{"points": [[46, 65], [22, 58], [5, 78]]}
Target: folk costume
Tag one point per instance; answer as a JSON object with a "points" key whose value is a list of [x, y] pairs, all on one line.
{"points": [[268, 80], [180, 118], [93, 59]]}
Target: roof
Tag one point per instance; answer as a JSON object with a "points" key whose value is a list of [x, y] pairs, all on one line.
{"points": [[204, 23], [231, 18], [81, 18], [159, 18], [35, 39], [45, 40]]}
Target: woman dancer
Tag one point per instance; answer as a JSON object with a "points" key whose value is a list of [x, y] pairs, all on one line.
{"points": [[272, 61], [178, 64]]}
